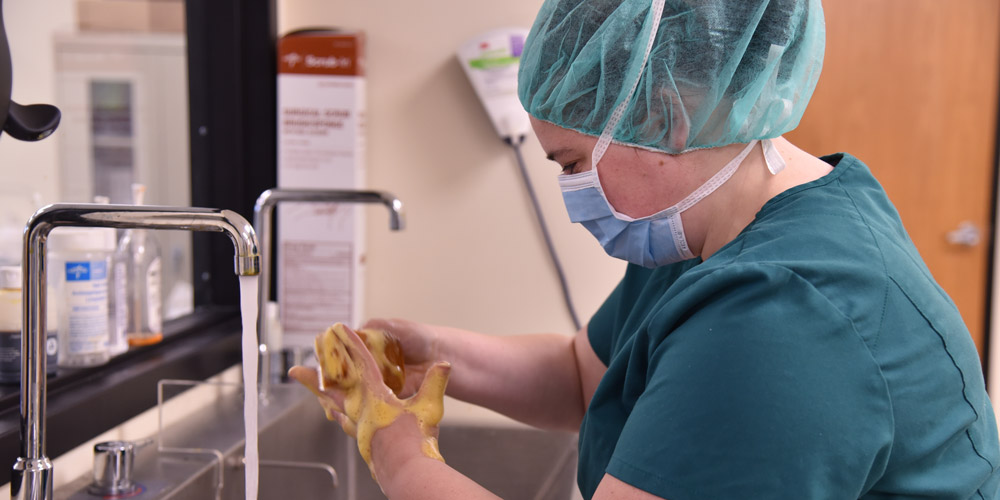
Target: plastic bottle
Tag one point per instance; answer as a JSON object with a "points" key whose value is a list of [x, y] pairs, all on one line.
{"points": [[138, 284], [79, 260], [10, 328], [117, 343]]}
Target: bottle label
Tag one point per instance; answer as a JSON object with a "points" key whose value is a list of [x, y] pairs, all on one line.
{"points": [[10, 355], [86, 300], [86, 271], [10, 352]]}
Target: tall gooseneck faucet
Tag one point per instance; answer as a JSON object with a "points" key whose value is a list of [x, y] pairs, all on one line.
{"points": [[262, 222], [32, 477]]}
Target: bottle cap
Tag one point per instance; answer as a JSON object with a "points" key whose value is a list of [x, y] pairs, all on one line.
{"points": [[138, 193], [10, 276]]}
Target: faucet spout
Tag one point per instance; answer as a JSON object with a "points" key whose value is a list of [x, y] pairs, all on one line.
{"points": [[268, 199], [262, 222], [32, 478]]}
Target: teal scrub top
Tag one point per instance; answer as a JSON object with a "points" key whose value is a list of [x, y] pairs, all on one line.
{"points": [[813, 357]]}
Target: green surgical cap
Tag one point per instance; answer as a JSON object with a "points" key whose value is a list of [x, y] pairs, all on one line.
{"points": [[673, 75]]}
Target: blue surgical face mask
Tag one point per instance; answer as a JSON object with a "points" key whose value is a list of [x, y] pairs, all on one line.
{"points": [[654, 240]]}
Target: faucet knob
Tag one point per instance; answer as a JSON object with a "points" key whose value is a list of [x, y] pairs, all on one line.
{"points": [[113, 468]]}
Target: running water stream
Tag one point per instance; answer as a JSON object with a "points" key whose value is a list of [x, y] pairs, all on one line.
{"points": [[248, 306]]}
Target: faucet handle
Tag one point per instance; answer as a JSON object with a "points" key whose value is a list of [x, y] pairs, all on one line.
{"points": [[113, 468]]}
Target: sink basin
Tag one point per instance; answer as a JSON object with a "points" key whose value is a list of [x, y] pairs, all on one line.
{"points": [[511, 460]]}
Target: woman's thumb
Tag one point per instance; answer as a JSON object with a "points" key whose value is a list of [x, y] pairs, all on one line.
{"points": [[433, 386]]}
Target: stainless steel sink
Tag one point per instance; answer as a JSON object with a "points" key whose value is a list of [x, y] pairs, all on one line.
{"points": [[511, 460]]}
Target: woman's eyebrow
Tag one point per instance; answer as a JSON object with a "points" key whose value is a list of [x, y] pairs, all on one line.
{"points": [[559, 152]]}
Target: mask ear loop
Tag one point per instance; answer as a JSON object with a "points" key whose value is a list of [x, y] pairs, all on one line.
{"points": [[713, 183], [775, 163], [656, 12]]}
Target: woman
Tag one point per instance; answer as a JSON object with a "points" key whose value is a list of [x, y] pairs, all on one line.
{"points": [[776, 334]]}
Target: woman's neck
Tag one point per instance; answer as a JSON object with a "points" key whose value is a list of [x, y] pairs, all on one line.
{"points": [[720, 217]]}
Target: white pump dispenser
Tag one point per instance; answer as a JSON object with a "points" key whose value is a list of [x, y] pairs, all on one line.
{"points": [[491, 61]]}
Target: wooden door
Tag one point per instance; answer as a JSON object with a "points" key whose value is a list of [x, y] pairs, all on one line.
{"points": [[910, 87]]}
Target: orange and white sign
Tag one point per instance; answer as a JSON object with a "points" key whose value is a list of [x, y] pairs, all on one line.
{"points": [[321, 145], [321, 53]]}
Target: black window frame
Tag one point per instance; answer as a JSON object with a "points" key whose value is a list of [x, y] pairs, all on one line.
{"points": [[232, 65]]}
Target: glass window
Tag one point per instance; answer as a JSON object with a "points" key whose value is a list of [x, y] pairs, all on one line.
{"points": [[118, 73]]}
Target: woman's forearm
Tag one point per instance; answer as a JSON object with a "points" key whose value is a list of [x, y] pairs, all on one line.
{"points": [[423, 478], [531, 378]]}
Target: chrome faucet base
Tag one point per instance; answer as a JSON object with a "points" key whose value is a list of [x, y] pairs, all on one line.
{"points": [[98, 491], [113, 465], [32, 479]]}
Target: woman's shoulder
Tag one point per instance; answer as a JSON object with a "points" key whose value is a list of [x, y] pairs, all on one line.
{"points": [[843, 218]]}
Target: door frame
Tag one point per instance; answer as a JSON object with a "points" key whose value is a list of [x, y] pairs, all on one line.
{"points": [[991, 358]]}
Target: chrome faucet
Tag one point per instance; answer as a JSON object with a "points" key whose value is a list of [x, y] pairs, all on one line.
{"points": [[262, 222], [32, 476]]}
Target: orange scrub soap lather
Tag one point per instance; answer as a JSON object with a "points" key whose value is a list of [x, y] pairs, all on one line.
{"points": [[366, 411], [383, 346]]}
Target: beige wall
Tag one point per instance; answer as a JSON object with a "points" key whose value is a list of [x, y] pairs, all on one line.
{"points": [[29, 170], [472, 255]]}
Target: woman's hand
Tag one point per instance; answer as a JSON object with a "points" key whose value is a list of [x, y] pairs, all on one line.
{"points": [[421, 348], [361, 402], [544, 380]]}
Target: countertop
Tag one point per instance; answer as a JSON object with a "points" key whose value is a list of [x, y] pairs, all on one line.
{"points": [[83, 403]]}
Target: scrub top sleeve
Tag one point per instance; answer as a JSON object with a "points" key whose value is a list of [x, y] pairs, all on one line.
{"points": [[764, 392], [603, 326]]}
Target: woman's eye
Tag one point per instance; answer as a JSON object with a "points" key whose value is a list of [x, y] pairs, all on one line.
{"points": [[568, 168]]}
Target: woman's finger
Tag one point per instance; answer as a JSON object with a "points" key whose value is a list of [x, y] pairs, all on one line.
{"points": [[430, 397], [306, 376], [435, 381], [378, 324], [331, 406], [360, 355], [412, 337], [348, 425], [309, 377]]}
